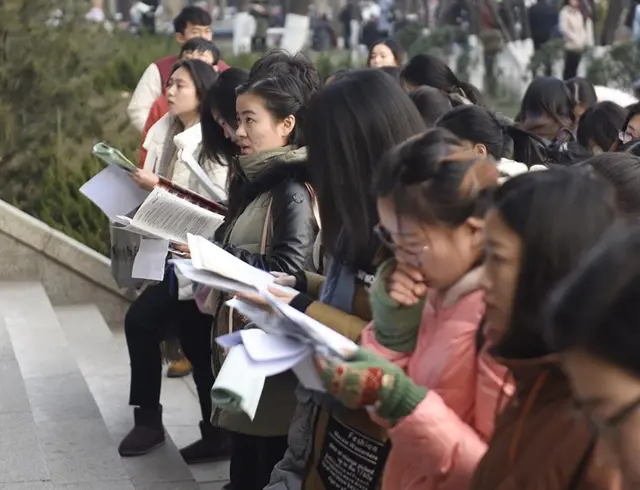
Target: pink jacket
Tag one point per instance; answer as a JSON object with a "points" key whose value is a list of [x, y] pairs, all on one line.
{"points": [[438, 446]]}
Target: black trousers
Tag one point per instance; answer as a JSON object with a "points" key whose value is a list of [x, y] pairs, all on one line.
{"points": [[253, 459], [571, 62], [148, 319]]}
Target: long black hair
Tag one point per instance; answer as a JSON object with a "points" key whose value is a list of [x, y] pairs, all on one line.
{"points": [[600, 124], [350, 124], [427, 69], [558, 214]]}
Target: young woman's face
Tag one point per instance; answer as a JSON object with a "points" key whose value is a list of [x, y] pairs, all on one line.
{"points": [[257, 129], [382, 56], [633, 130], [442, 254], [503, 254], [181, 94], [229, 132], [610, 398]]}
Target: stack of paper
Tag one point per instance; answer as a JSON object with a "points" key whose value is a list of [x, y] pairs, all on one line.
{"points": [[287, 339], [213, 266]]}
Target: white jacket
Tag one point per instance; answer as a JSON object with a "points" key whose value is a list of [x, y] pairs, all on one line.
{"points": [[576, 32], [149, 88], [188, 146]]}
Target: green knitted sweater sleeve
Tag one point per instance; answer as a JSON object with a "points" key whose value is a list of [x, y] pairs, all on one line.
{"points": [[395, 326]]}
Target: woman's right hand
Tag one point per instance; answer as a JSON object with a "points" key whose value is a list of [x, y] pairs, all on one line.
{"points": [[406, 285], [145, 179]]}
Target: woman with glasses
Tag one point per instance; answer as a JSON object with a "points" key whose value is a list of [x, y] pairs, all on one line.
{"points": [[424, 372], [538, 228]]}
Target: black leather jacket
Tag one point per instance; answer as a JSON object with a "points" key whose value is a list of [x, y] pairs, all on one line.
{"points": [[293, 222]]}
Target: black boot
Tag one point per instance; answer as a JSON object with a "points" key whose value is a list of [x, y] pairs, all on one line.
{"points": [[214, 445], [146, 435]]}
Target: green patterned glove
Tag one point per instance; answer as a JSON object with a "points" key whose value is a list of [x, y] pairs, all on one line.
{"points": [[367, 380], [396, 326]]}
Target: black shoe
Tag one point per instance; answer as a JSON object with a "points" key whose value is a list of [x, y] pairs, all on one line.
{"points": [[214, 445], [228, 486], [146, 435]]}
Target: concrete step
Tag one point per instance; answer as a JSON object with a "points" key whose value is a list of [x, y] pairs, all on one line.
{"points": [[55, 438], [104, 362]]}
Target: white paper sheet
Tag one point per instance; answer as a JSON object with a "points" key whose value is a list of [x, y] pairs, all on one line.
{"points": [[172, 218], [209, 278], [237, 376], [150, 259], [113, 191]]}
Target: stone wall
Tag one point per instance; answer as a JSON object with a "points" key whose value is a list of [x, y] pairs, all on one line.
{"points": [[71, 272]]}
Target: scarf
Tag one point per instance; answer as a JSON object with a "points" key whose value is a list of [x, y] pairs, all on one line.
{"points": [[255, 163]]}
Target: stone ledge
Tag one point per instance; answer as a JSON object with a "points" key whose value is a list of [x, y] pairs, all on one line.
{"points": [[55, 245]]}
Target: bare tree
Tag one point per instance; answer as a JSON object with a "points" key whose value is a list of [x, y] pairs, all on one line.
{"points": [[612, 20]]}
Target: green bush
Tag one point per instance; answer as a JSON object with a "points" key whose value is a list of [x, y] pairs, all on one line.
{"points": [[619, 65]]}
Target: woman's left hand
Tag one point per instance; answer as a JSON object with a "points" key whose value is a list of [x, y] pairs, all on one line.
{"points": [[145, 179], [367, 380]]}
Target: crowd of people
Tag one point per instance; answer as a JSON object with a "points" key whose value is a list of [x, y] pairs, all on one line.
{"points": [[486, 267]]}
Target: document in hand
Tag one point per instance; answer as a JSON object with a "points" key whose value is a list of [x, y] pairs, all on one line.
{"points": [[112, 156], [213, 266], [167, 216], [287, 339]]}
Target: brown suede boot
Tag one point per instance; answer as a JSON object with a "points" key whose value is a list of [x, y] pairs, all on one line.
{"points": [[146, 435], [214, 445]]}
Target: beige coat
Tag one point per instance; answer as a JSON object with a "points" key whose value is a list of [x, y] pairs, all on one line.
{"points": [[576, 31]]}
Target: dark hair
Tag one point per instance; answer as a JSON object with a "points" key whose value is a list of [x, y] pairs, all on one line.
{"points": [[502, 139], [392, 71], [547, 108], [279, 63], [201, 45], [336, 75], [396, 50], [633, 111], [600, 125], [558, 214], [433, 179], [426, 69], [595, 308], [202, 74], [221, 98], [282, 96], [622, 171], [351, 123], [584, 93], [191, 15], [431, 103]]}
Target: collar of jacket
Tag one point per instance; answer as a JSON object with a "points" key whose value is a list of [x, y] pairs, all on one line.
{"points": [[255, 164], [468, 283], [189, 138]]}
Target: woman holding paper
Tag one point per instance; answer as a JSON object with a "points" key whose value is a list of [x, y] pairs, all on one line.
{"points": [[350, 124], [271, 225], [173, 145]]}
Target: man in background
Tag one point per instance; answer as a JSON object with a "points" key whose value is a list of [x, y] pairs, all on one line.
{"points": [[191, 22]]}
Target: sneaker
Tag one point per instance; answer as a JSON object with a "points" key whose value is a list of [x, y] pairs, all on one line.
{"points": [[146, 435], [214, 446], [179, 369]]}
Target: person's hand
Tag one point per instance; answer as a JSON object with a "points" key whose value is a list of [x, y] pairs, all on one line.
{"points": [[367, 380], [284, 279], [182, 248], [406, 285], [259, 300], [145, 179]]}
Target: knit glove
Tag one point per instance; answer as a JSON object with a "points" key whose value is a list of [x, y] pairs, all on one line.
{"points": [[367, 380], [395, 326]]}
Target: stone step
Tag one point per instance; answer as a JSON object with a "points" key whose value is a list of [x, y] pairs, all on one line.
{"points": [[61, 441], [104, 362]]}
